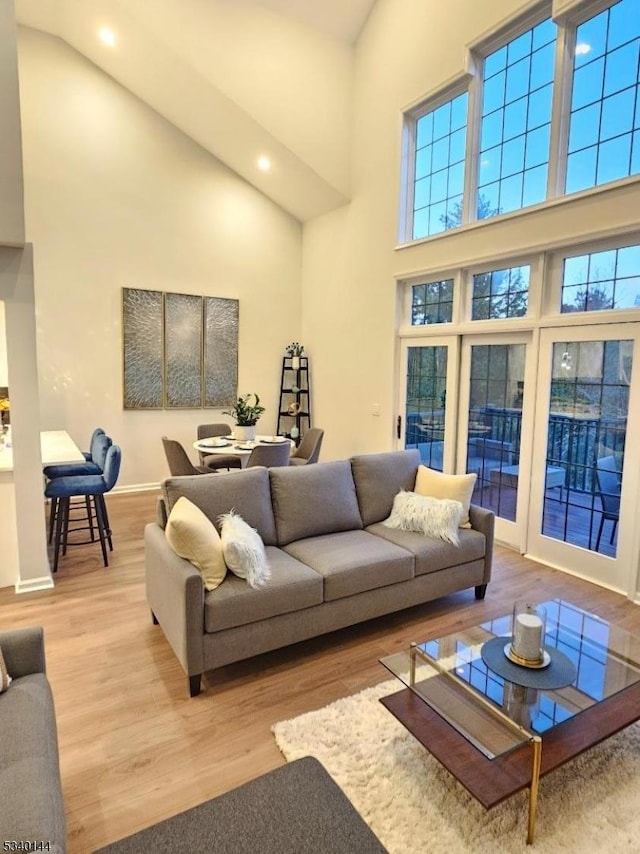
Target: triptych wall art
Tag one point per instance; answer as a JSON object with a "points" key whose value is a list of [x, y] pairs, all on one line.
{"points": [[179, 351]]}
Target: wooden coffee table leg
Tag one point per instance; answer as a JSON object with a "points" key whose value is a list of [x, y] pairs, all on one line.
{"points": [[536, 742]]}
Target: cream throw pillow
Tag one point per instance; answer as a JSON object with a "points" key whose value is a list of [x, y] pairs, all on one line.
{"points": [[457, 487], [433, 517], [194, 537], [243, 549], [5, 679]]}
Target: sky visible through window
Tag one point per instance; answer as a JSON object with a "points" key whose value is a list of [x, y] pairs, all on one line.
{"points": [[604, 131], [439, 166], [516, 122], [602, 113]]}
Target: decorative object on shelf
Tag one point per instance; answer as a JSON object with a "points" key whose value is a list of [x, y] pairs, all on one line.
{"points": [[527, 645], [179, 350], [295, 350], [246, 415], [4, 412], [294, 410]]}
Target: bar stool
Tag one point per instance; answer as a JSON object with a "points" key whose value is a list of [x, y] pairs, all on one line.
{"points": [[92, 487], [100, 444]]}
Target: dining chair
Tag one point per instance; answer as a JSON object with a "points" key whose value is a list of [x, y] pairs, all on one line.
{"points": [[217, 461], [609, 487], [270, 456], [179, 462], [308, 450]]}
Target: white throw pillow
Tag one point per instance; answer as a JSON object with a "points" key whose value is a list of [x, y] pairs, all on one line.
{"points": [[457, 487], [433, 517], [192, 535], [243, 550]]}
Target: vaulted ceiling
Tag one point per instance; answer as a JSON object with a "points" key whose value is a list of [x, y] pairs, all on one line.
{"points": [[243, 78]]}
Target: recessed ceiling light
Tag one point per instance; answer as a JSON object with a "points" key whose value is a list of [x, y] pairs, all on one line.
{"points": [[264, 164], [582, 48], [107, 36]]}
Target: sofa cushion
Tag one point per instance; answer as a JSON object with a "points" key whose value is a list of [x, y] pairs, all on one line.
{"points": [[246, 492], [244, 551], [353, 561], [379, 478], [194, 537], [312, 500], [457, 487], [292, 586], [431, 554]]}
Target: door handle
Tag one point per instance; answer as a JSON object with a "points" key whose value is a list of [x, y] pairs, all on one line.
{"points": [[399, 427]]}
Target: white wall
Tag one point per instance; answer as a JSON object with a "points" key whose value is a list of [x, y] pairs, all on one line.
{"points": [[11, 210], [407, 49], [115, 196], [4, 371]]}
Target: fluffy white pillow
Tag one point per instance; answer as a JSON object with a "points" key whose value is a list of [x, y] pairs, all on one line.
{"points": [[433, 517], [192, 535], [243, 550], [457, 487]]}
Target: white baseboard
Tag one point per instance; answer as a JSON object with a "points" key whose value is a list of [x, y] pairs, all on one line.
{"points": [[136, 487], [30, 585]]}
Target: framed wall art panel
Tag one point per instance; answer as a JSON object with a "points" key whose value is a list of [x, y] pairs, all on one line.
{"points": [[221, 318], [143, 349], [183, 351]]}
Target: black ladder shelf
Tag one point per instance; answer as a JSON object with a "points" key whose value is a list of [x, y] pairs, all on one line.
{"points": [[294, 395]]}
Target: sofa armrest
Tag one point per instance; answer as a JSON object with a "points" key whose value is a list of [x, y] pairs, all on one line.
{"points": [[483, 520], [175, 594], [23, 651]]}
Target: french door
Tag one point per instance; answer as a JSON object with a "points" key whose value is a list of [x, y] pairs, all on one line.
{"points": [[585, 461], [478, 424]]}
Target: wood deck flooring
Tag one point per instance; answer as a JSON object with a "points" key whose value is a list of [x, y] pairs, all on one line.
{"points": [[134, 748]]}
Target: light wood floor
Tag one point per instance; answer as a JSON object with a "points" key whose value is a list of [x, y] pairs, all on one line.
{"points": [[134, 748]]}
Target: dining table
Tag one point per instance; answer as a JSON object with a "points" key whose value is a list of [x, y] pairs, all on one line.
{"points": [[241, 449]]}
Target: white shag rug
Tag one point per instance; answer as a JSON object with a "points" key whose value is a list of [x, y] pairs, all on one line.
{"points": [[414, 806]]}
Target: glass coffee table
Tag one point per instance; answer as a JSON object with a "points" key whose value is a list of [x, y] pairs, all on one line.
{"points": [[497, 736]]}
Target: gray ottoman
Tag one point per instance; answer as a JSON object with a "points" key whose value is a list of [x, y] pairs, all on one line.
{"points": [[296, 809]]}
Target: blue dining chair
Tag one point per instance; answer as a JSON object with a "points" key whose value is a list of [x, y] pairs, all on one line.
{"points": [[93, 488], [100, 444]]}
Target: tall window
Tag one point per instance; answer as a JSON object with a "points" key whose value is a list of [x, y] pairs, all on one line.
{"points": [[604, 130], [439, 168], [516, 121], [602, 280]]}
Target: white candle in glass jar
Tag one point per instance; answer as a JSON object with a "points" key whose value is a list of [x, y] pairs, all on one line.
{"points": [[527, 636]]}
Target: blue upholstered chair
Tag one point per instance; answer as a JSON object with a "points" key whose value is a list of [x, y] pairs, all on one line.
{"points": [[100, 444], [92, 487], [93, 459]]}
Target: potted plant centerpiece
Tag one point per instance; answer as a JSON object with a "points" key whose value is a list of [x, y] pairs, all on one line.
{"points": [[246, 415]]}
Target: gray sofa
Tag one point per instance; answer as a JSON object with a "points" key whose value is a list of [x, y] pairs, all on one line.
{"points": [[31, 805], [333, 562]]}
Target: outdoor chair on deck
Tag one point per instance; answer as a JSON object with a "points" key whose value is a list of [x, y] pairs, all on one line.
{"points": [[309, 449], [608, 482]]}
